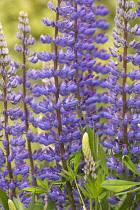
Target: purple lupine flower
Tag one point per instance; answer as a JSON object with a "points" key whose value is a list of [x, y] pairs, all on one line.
{"points": [[113, 200], [6, 87], [69, 96], [21, 131], [123, 128]]}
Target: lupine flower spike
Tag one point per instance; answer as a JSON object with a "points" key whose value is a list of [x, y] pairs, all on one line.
{"points": [[70, 81], [5, 95], [123, 114], [24, 49]]}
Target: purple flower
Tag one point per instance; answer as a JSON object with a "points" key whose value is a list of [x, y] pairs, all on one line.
{"points": [[113, 200]]}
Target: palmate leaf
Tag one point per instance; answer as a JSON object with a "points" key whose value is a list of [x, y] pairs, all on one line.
{"points": [[94, 186], [116, 186], [42, 184], [130, 165], [4, 199], [69, 173], [91, 190]]}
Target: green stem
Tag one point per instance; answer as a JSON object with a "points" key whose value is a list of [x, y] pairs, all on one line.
{"points": [[96, 204], [109, 207], [82, 201], [100, 206], [90, 203]]}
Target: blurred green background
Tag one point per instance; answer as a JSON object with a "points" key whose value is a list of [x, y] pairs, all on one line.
{"points": [[9, 11]]}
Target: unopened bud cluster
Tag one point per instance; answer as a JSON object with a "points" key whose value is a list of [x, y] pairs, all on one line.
{"points": [[89, 168]]}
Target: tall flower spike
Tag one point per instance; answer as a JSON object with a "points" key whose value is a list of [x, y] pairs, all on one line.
{"points": [[58, 113], [123, 118], [120, 104], [5, 59], [26, 116], [69, 94]]}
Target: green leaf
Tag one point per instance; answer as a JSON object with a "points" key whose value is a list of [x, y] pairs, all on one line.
{"points": [[4, 199], [65, 176], [97, 149], [124, 206], [91, 190], [100, 178], [77, 160], [116, 185], [42, 184], [102, 158], [130, 165], [69, 173], [85, 193], [100, 197], [103, 200], [18, 204], [32, 189], [36, 190], [61, 181], [51, 205], [32, 202], [129, 191], [39, 205]]}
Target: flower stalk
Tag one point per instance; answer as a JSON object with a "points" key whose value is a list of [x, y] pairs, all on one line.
{"points": [[26, 111], [62, 149], [76, 60], [22, 34], [9, 166], [5, 60], [125, 77]]}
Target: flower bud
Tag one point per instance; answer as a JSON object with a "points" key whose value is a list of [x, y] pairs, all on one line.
{"points": [[11, 205], [86, 146]]}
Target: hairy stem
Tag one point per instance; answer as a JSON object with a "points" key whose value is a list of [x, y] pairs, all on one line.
{"points": [[9, 166], [62, 149], [26, 114], [124, 81]]}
